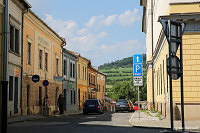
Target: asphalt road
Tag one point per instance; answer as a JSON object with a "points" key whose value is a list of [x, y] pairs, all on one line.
{"points": [[106, 123]]}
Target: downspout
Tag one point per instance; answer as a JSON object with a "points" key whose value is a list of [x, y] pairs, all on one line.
{"points": [[22, 59], [4, 83], [153, 95]]}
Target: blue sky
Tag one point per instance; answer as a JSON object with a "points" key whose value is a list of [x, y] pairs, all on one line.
{"points": [[101, 30]]}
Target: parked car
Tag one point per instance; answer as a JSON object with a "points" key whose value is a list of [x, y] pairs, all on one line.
{"points": [[124, 105], [92, 106]]}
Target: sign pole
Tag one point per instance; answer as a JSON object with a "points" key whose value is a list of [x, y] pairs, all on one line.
{"points": [[139, 102]]}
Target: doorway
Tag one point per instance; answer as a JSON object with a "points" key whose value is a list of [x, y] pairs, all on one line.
{"points": [[28, 99], [16, 96]]}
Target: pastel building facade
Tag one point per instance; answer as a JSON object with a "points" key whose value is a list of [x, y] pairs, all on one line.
{"points": [[186, 11], [43, 57], [82, 80], [16, 11], [101, 85], [70, 81]]}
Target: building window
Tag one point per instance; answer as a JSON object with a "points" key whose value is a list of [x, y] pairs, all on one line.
{"points": [[14, 39], [71, 73], [40, 59], [40, 95], [83, 73], [79, 71], [89, 78], [46, 61], [17, 41], [74, 97], [11, 38], [71, 98], [46, 91], [73, 70], [29, 53], [65, 63], [11, 88], [57, 66]]}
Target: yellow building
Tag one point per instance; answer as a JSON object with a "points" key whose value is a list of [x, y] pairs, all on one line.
{"points": [[101, 85], [82, 79], [43, 57], [186, 11]]}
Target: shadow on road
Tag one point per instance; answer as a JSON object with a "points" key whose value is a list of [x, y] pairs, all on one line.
{"points": [[91, 123]]}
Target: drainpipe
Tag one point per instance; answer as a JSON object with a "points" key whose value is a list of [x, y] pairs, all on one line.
{"points": [[4, 83], [153, 95], [22, 57]]}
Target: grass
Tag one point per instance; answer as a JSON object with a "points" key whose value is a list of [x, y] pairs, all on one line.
{"points": [[121, 77], [158, 114], [109, 86]]}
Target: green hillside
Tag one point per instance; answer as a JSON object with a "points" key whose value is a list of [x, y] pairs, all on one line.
{"points": [[120, 72]]}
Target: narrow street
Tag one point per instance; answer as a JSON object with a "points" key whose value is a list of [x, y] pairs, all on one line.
{"points": [[106, 123]]}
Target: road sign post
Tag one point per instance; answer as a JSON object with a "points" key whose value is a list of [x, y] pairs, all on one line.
{"points": [[137, 76], [173, 31]]}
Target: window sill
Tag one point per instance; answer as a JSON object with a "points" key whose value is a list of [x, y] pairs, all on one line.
{"points": [[15, 53]]}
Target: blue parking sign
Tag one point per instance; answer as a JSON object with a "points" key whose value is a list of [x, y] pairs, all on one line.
{"points": [[137, 69], [137, 58]]}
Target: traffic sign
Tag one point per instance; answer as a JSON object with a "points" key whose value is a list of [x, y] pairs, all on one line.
{"points": [[35, 78], [138, 81], [45, 82], [137, 70], [137, 58]]}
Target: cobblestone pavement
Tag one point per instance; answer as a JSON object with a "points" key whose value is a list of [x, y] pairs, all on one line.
{"points": [[152, 121]]}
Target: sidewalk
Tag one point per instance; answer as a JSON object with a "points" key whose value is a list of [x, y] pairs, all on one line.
{"points": [[17, 119], [151, 120]]}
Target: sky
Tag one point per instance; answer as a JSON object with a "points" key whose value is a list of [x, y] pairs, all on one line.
{"points": [[100, 30]]}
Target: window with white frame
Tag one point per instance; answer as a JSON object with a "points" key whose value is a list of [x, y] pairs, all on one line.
{"points": [[29, 53], [40, 59], [46, 61], [57, 61]]}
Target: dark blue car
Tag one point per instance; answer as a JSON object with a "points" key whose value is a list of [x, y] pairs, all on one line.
{"points": [[92, 106]]}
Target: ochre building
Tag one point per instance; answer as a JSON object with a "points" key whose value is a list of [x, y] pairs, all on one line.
{"points": [[43, 57], [101, 85], [82, 79]]}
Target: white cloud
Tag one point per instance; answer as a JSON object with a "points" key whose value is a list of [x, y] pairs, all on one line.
{"points": [[129, 17], [124, 19], [82, 31], [110, 20], [85, 40], [95, 22]]}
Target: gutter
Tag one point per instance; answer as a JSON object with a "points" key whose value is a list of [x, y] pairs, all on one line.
{"points": [[153, 100]]}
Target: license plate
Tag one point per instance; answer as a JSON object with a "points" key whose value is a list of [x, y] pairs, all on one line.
{"points": [[91, 105], [122, 105]]}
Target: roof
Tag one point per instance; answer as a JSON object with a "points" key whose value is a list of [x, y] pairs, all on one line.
{"points": [[25, 4], [144, 4], [102, 73], [61, 38], [70, 52]]}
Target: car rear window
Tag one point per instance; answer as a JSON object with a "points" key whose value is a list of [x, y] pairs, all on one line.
{"points": [[91, 102]]}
